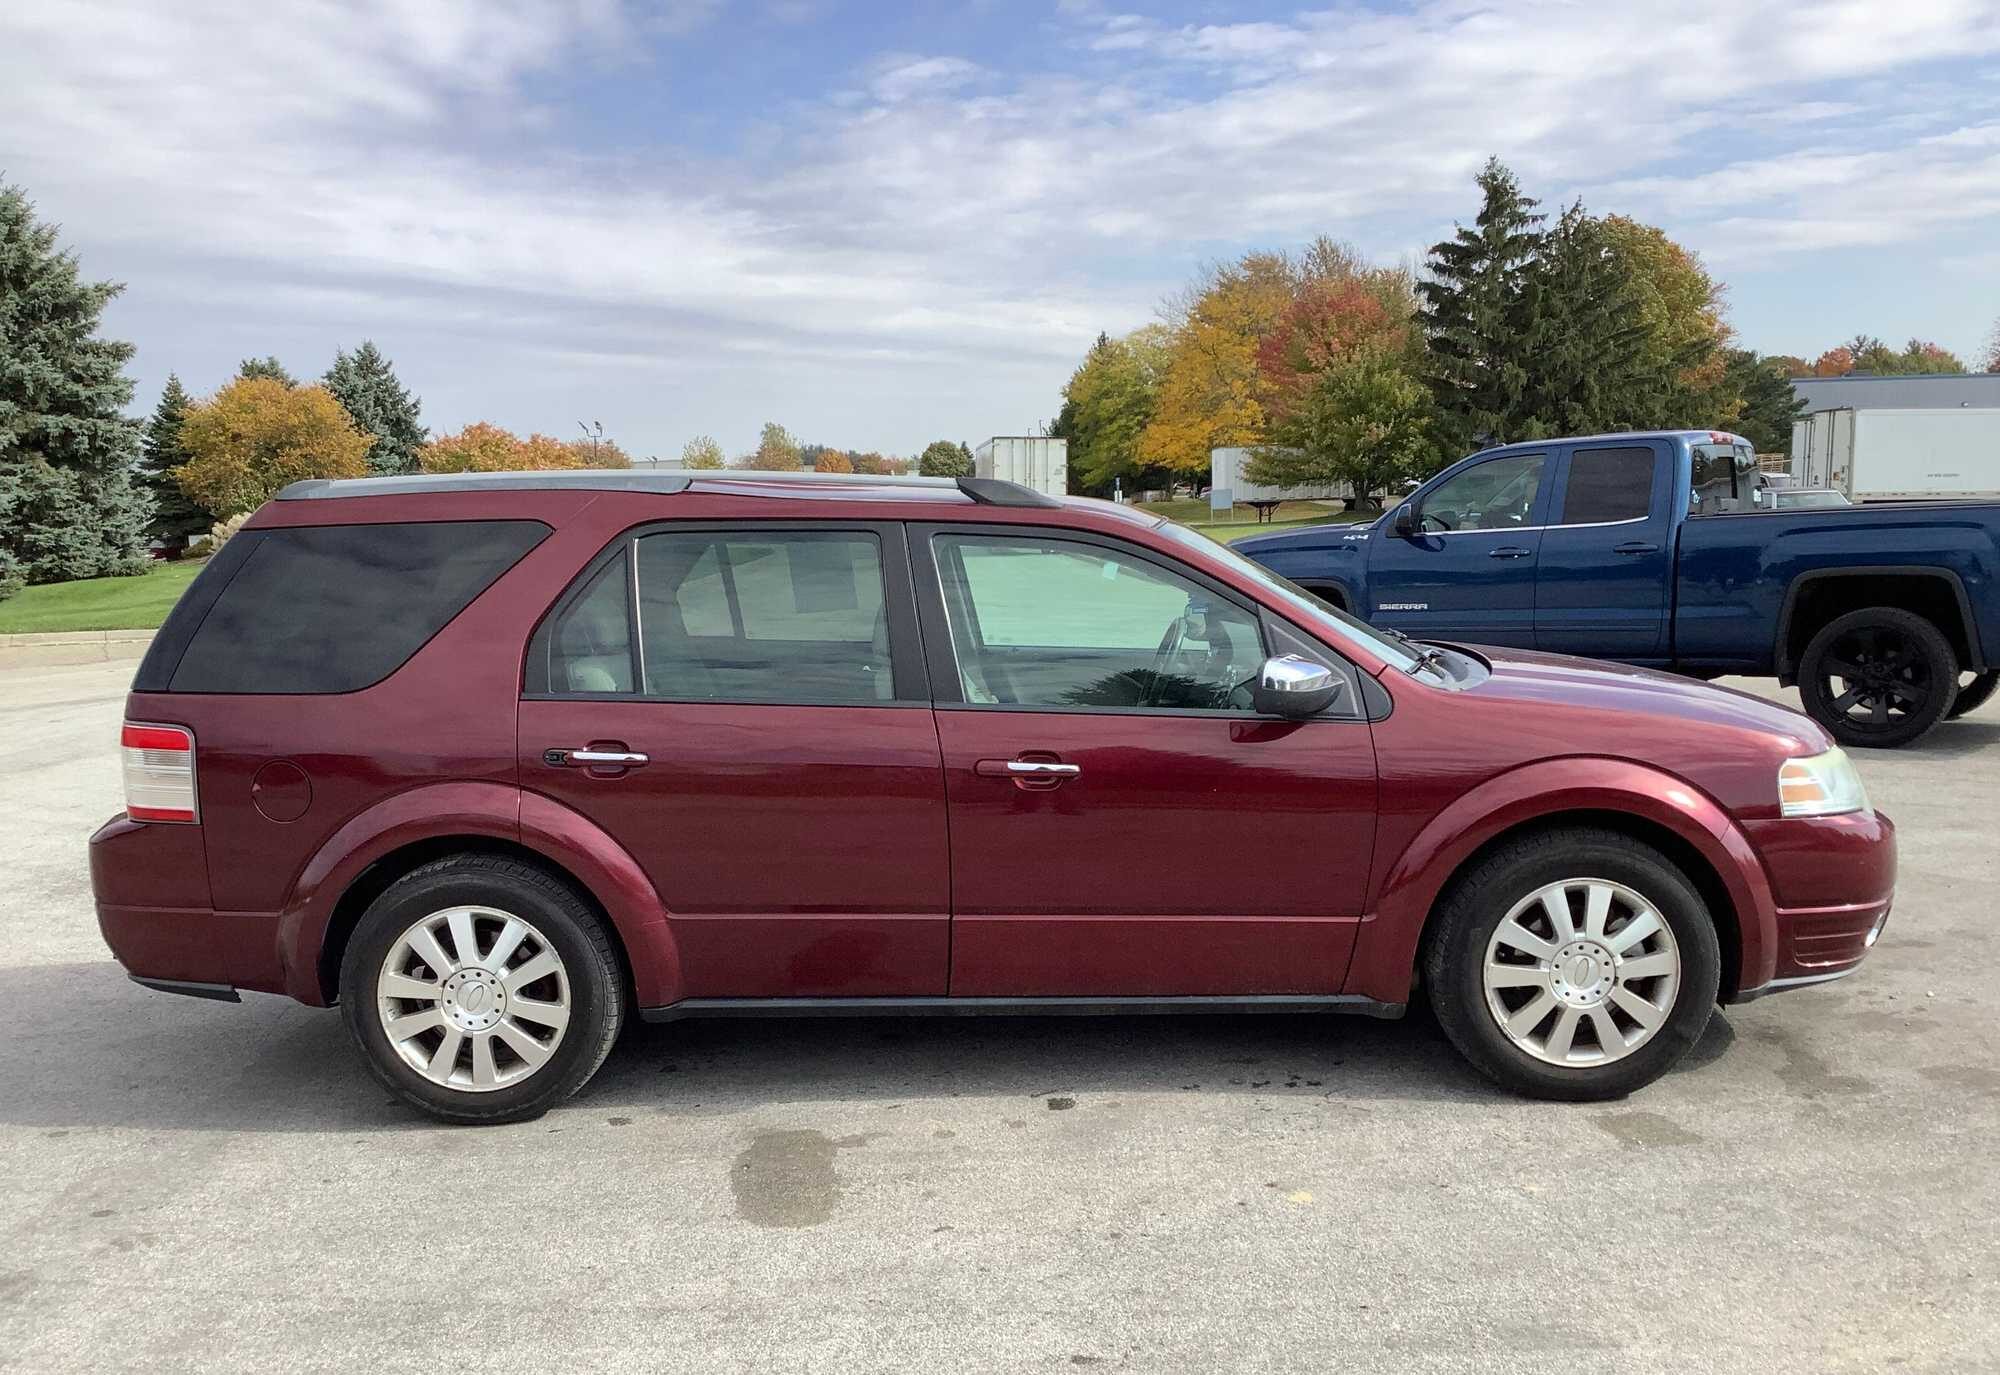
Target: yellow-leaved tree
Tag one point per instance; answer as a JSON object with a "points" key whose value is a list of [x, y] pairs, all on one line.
{"points": [[1209, 389], [257, 435], [486, 448]]}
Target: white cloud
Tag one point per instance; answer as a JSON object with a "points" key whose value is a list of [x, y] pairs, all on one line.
{"points": [[395, 160]]}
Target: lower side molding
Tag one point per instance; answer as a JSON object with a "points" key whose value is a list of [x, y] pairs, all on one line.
{"points": [[1751, 995], [1349, 1003], [221, 993]]}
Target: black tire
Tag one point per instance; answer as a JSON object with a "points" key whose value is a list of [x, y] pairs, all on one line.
{"points": [[1878, 678], [1975, 694], [566, 924], [1481, 898]]}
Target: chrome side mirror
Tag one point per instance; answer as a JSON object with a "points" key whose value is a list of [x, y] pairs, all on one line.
{"points": [[1294, 687], [1404, 523]]}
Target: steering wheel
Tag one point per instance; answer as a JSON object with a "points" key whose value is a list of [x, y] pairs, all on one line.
{"points": [[1163, 659]]}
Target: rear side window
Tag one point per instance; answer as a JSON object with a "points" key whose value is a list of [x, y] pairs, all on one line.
{"points": [[335, 608], [775, 617], [1609, 484]]}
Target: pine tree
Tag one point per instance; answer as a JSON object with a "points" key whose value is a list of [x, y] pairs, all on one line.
{"points": [[1476, 314], [1770, 404], [176, 520], [1584, 370], [365, 383], [266, 367], [66, 447]]}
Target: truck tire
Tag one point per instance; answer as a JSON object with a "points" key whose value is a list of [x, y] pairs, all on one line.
{"points": [[1878, 678], [1973, 695], [1575, 964]]}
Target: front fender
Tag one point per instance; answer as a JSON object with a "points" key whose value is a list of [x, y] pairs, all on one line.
{"points": [[1409, 883], [495, 811]]}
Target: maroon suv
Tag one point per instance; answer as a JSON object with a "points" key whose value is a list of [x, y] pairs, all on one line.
{"points": [[495, 762]]}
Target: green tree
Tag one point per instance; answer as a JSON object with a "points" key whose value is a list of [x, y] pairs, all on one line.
{"points": [[1586, 367], [365, 383], [1769, 403], [267, 368], [68, 505], [701, 454], [257, 435], [1107, 404], [1474, 307], [777, 451], [945, 459], [1682, 336], [176, 520], [1362, 420]]}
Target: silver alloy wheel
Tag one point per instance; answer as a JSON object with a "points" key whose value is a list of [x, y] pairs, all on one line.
{"points": [[473, 998], [1581, 972]]}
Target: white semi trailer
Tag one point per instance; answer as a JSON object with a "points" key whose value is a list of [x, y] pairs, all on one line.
{"points": [[1899, 454], [1033, 460]]}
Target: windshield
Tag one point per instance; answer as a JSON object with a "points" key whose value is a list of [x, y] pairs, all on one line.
{"points": [[1391, 651]]}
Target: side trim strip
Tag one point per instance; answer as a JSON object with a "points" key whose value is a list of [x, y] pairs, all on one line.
{"points": [[1017, 1007], [1796, 981]]}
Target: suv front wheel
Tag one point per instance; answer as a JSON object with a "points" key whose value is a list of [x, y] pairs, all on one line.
{"points": [[1574, 964], [481, 989]]}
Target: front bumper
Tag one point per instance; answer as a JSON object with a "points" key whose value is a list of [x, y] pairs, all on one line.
{"points": [[1834, 879]]}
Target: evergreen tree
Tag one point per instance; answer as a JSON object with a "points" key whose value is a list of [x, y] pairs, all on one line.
{"points": [[176, 520], [1770, 404], [365, 383], [1475, 310], [66, 447], [266, 367], [1584, 369]]}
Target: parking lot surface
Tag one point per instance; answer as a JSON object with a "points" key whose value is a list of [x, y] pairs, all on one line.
{"points": [[200, 1186]]}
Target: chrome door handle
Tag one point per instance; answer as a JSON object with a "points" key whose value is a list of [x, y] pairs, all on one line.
{"points": [[622, 758], [1025, 770], [1509, 551]]}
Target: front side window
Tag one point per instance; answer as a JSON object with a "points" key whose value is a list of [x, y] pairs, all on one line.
{"points": [[753, 616], [1606, 485], [1498, 494], [1053, 623]]}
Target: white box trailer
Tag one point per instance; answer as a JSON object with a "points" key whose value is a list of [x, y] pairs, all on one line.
{"points": [[1032, 460], [1227, 485], [1899, 454]]}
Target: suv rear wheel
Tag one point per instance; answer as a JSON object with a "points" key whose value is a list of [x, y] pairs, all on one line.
{"points": [[1878, 677], [1575, 964], [481, 989]]}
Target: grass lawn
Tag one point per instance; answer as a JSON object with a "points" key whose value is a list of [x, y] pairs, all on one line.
{"points": [[137, 603], [1242, 521]]}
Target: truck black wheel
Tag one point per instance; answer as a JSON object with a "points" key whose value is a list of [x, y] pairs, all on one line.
{"points": [[1973, 695], [1879, 677]]}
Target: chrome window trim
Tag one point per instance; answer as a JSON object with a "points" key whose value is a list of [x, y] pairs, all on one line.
{"points": [[1528, 529]]}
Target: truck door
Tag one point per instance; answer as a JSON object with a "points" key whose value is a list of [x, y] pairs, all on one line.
{"points": [[1607, 556], [1467, 572]]}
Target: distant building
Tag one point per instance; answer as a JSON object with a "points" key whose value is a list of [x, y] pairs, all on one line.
{"points": [[1924, 391]]}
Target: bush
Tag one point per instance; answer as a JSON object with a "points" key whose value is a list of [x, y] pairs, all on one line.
{"points": [[218, 535], [258, 435]]}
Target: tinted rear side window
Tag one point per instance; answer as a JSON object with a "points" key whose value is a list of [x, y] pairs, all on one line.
{"points": [[338, 607], [1608, 484]]}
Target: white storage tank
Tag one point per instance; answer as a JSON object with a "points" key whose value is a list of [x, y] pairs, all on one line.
{"points": [[1032, 460]]}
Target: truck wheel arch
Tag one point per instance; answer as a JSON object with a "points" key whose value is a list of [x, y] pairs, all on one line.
{"points": [[1818, 595], [1689, 827]]}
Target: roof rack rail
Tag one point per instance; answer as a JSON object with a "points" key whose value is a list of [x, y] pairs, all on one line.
{"points": [[987, 491]]}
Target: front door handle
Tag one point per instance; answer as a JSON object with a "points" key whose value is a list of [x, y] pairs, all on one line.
{"points": [[1509, 551], [1025, 768], [1635, 546], [618, 759]]}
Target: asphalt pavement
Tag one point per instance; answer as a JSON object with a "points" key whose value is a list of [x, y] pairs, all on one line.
{"points": [[200, 1186]]}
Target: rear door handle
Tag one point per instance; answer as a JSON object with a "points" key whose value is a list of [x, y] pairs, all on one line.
{"points": [[624, 759], [1635, 546], [1509, 551]]}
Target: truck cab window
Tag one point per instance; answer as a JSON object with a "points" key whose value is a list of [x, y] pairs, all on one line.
{"points": [[1608, 485], [1498, 494]]}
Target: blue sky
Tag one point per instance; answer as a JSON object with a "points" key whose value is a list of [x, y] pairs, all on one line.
{"points": [[882, 224]]}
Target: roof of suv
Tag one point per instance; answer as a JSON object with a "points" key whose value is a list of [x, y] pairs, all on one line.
{"points": [[984, 491]]}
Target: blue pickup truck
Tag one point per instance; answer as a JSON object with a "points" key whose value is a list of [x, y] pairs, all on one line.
{"points": [[1664, 549]]}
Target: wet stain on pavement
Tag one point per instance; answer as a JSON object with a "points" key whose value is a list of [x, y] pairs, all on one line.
{"points": [[1809, 1075], [1646, 1129], [1061, 1104], [786, 1179]]}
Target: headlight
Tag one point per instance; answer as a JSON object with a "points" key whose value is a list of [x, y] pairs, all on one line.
{"points": [[1821, 785]]}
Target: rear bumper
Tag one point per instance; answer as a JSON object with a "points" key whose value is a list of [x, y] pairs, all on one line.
{"points": [[151, 886], [1835, 880]]}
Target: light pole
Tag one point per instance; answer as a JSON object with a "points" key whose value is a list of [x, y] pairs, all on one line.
{"points": [[593, 438]]}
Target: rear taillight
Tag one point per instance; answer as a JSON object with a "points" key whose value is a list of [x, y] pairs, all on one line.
{"points": [[159, 772]]}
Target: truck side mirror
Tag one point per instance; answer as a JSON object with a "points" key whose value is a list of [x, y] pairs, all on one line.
{"points": [[1403, 524]]}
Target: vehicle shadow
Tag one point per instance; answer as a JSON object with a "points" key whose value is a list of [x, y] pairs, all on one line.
{"points": [[92, 1050]]}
